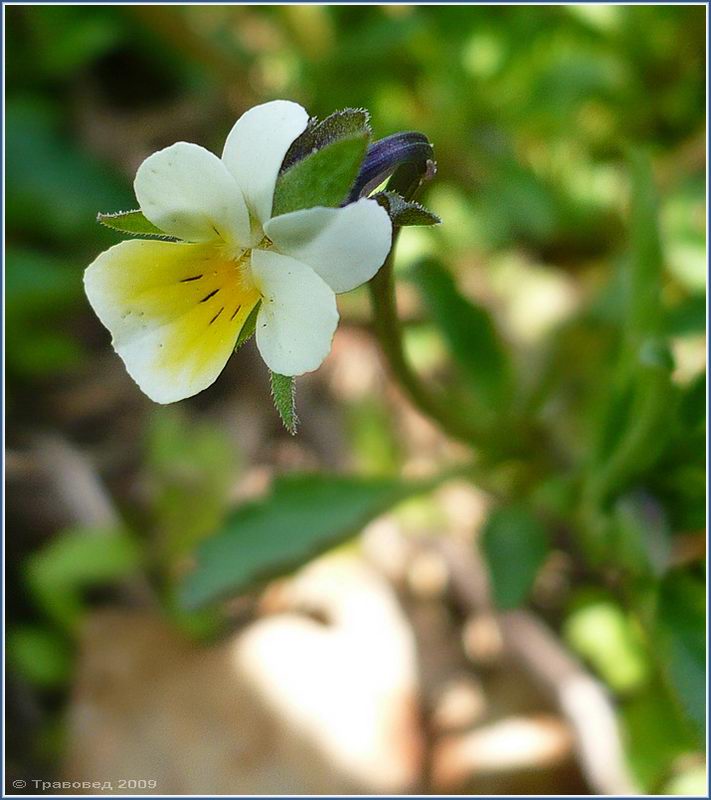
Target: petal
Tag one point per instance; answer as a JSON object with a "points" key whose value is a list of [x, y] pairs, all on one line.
{"points": [[345, 246], [298, 316], [174, 311], [256, 146], [188, 192]]}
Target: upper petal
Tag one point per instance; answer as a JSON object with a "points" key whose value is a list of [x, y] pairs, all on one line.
{"points": [[256, 146], [188, 192], [345, 246], [298, 316], [174, 311]]}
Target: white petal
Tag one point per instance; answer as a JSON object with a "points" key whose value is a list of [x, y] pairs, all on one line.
{"points": [[187, 192], [298, 315], [256, 146], [174, 311], [345, 246]]}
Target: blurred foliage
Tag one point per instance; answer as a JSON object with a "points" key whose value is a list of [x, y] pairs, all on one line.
{"points": [[560, 308], [515, 545], [302, 517]]}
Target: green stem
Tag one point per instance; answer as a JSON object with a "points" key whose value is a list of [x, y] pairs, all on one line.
{"points": [[388, 330]]}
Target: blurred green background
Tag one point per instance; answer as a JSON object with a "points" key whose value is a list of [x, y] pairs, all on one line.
{"points": [[537, 115]]}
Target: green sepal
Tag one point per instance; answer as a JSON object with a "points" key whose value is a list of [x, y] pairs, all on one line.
{"points": [[323, 178], [405, 212], [132, 222], [284, 397], [250, 325], [345, 123]]}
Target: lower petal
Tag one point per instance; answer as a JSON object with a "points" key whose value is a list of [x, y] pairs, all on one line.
{"points": [[174, 312], [298, 316]]}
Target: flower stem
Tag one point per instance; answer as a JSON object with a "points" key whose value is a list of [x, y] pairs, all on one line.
{"points": [[388, 330]]}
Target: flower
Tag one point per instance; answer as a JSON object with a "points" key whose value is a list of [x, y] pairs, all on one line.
{"points": [[175, 309]]}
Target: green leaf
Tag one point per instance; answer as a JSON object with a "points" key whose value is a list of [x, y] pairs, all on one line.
{"points": [[284, 397], [303, 516], [643, 313], [40, 655], [340, 124], [469, 332], [250, 325], [405, 212], [74, 561], [323, 178], [641, 534], [600, 630], [131, 222], [637, 424], [42, 291], [54, 185], [656, 734], [515, 545], [185, 458], [681, 641]]}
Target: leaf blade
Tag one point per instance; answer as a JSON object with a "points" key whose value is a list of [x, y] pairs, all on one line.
{"points": [[515, 545], [469, 331], [303, 516]]}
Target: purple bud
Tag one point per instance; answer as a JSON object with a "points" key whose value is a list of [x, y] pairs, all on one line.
{"points": [[385, 156]]}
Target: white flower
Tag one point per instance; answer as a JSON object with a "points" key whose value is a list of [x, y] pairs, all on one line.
{"points": [[175, 309]]}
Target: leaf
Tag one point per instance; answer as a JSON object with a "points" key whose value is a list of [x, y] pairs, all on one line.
{"points": [[340, 124], [601, 631], [643, 313], [681, 642], [303, 516], [185, 458], [78, 559], [641, 534], [53, 185], [250, 325], [323, 178], [41, 291], [469, 332], [515, 545], [405, 212], [655, 732], [284, 397], [40, 655], [131, 222], [637, 425]]}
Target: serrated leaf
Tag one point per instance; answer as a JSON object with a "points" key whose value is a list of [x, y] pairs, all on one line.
{"points": [[469, 332], [284, 397], [405, 212], [323, 178], [250, 325], [340, 124], [131, 222], [515, 545], [303, 516]]}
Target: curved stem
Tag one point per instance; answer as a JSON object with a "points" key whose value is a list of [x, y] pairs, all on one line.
{"points": [[389, 332]]}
